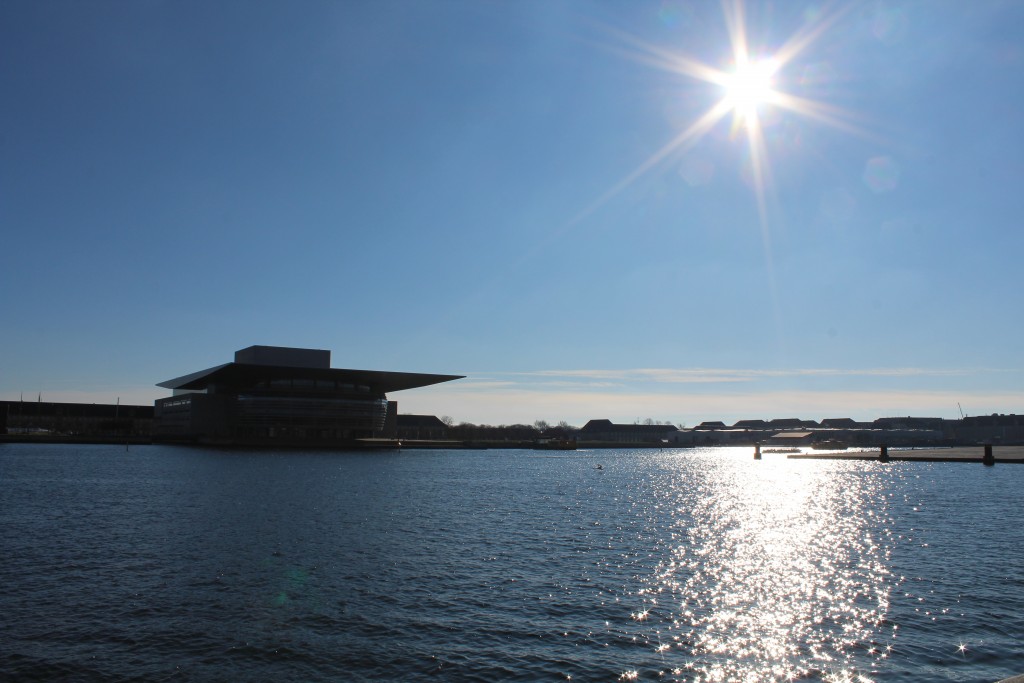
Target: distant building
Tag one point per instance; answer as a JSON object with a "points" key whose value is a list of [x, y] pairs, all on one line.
{"points": [[273, 395], [99, 420], [792, 423], [421, 427], [604, 432], [839, 423], [908, 423], [995, 429]]}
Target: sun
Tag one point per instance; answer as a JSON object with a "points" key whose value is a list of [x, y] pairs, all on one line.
{"points": [[747, 91], [749, 87]]}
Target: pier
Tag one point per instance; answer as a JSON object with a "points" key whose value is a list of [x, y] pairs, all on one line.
{"points": [[988, 455]]}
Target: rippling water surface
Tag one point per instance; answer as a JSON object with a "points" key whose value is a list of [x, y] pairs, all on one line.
{"points": [[164, 563]]}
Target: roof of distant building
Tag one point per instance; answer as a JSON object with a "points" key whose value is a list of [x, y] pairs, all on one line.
{"points": [[419, 421], [839, 422], [294, 364], [607, 425], [787, 422]]}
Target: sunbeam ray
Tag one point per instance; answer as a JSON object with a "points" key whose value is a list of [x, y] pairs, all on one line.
{"points": [[748, 88], [694, 132]]}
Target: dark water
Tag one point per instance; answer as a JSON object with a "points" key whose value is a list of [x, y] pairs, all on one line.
{"points": [[184, 564]]}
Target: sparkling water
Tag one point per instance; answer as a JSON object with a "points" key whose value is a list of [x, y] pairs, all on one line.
{"points": [[172, 563]]}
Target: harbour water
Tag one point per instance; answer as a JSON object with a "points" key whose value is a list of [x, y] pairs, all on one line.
{"points": [[185, 564]]}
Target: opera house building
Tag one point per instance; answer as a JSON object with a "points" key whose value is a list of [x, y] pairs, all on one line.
{"points": [[278, 396]]}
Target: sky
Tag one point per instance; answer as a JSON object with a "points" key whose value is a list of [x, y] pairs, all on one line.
{"points": [[673, 210]]}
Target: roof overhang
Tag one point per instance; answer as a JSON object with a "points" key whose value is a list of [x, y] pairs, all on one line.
{"points": [[241, 373]]}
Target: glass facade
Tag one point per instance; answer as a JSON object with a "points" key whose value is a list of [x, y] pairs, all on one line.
{"points": [[308, 416]]}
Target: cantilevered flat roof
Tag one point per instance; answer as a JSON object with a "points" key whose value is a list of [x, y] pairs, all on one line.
{"points": [[242, 373]]}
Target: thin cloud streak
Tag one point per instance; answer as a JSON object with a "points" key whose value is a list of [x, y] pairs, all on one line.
{"points": [[713, 375]]}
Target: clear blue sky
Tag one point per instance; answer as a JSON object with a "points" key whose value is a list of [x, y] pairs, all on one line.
{"points": [[492, 189]]}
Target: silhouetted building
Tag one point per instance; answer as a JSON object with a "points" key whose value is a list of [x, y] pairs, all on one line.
{"points": [[75, 419], [908, 423], [423, 427], [597, 432], [791, 423], [839, 423], [998, 429], [273, 395]]}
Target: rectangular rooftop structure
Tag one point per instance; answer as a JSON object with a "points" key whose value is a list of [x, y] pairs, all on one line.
{"points": [[283, 356]]}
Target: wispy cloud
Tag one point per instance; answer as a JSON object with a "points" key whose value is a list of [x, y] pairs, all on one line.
{"points": [[721, 375], [692, 395]]}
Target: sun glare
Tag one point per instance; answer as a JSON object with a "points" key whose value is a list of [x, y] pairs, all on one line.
{"points": [[750, 86], [747, 92]]}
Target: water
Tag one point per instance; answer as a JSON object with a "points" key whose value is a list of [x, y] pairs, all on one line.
{"points": [[165, 563]]}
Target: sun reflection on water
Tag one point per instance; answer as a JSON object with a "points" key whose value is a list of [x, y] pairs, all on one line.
{"points": [[777, 571]]}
